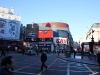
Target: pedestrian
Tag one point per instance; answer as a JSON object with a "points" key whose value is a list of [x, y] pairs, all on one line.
{"points": [[37, 52], [74, 53], [2, 52], [98, 57], [16, 48], [8, 48], [43, 60], [95, 54], [23, 52], [7, 66]]}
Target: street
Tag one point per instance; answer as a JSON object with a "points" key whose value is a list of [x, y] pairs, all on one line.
{"points": [[30, 65]]}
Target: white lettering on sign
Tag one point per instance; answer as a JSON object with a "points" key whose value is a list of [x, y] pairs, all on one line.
{"points": [[63, 41]]}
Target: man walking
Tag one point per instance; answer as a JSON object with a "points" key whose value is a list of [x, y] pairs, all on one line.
{"points": [[43, 60]]}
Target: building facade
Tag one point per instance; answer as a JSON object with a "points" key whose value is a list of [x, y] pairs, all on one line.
{"points": [[22, 32], [61, 36], [96, 34], [9, 24]]}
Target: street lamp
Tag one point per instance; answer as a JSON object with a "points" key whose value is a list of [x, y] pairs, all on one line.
{"points": [[92, 39]]}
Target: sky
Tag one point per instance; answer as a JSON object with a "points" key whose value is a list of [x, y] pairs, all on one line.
{"points": [[79, 14]]}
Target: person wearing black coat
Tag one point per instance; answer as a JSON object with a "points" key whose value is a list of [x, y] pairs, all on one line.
{"points": [[7, 66], [43, 60], [2, 52], [98, 58]]}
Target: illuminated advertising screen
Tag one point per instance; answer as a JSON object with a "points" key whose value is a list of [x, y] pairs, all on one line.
{"points": [[96, 47], [86, 48], [45, 34]]}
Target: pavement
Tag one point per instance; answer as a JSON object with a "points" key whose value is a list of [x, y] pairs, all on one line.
{"points": [[30, 65], [78, 59]]}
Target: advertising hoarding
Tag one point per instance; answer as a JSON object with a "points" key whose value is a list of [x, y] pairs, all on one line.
{"points": [[86, 47], [96, 47], [56, 34], [45, 34], [60, 40], [31, 35], [9, 29]]}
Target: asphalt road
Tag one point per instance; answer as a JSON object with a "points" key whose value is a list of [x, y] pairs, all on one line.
{"points": [[30, 65]]}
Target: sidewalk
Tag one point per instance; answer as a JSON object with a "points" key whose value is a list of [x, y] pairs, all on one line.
{"points": [[78, 59]]}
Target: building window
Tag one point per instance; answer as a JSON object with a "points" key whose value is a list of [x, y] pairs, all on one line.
{"points": [[2, 15]]}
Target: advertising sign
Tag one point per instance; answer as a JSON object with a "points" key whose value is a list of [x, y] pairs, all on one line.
{"points": [[31, 36], [86, 48], [2, 27], [45, 34], [41, 44], [56, 34], [9, 29], [96, 47], [61, 40]]}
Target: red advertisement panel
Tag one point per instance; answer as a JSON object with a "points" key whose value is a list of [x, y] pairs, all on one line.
{"points": [[45, 34]]}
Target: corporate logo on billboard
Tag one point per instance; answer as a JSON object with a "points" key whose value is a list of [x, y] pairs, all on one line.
{"points": [[61, 40], [45, 32]]}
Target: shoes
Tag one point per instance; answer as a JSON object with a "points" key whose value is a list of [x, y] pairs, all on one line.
{"points": [[46, 67]]}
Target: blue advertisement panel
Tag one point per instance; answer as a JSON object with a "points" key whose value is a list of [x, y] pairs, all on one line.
{"points": [[56, 34], [31, 36], [46, 45]]}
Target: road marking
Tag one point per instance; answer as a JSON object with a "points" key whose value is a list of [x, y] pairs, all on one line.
{"points": [[26, 66], [25, 73], [79, 71], [68, 68], [93, 73], [47, 67]]}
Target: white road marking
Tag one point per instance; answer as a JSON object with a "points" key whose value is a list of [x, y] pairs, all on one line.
{"points": [[26, 73], [79, 71], [48, 66], [26, 66], [93, 73], [68, 68]]}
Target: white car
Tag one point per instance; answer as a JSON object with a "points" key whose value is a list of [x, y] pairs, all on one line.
{"points": [[30, 52]]}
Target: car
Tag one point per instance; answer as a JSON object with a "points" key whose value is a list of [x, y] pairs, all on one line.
{"points": [[30, 52]]}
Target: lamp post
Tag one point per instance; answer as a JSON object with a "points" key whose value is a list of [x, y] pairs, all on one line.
{"points": [[92, 39]]}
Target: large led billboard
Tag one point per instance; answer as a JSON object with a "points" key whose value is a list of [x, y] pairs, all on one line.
{"points": [[86, 47], [60, 40], [96, 47], [9, 29], [45, 34]]}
